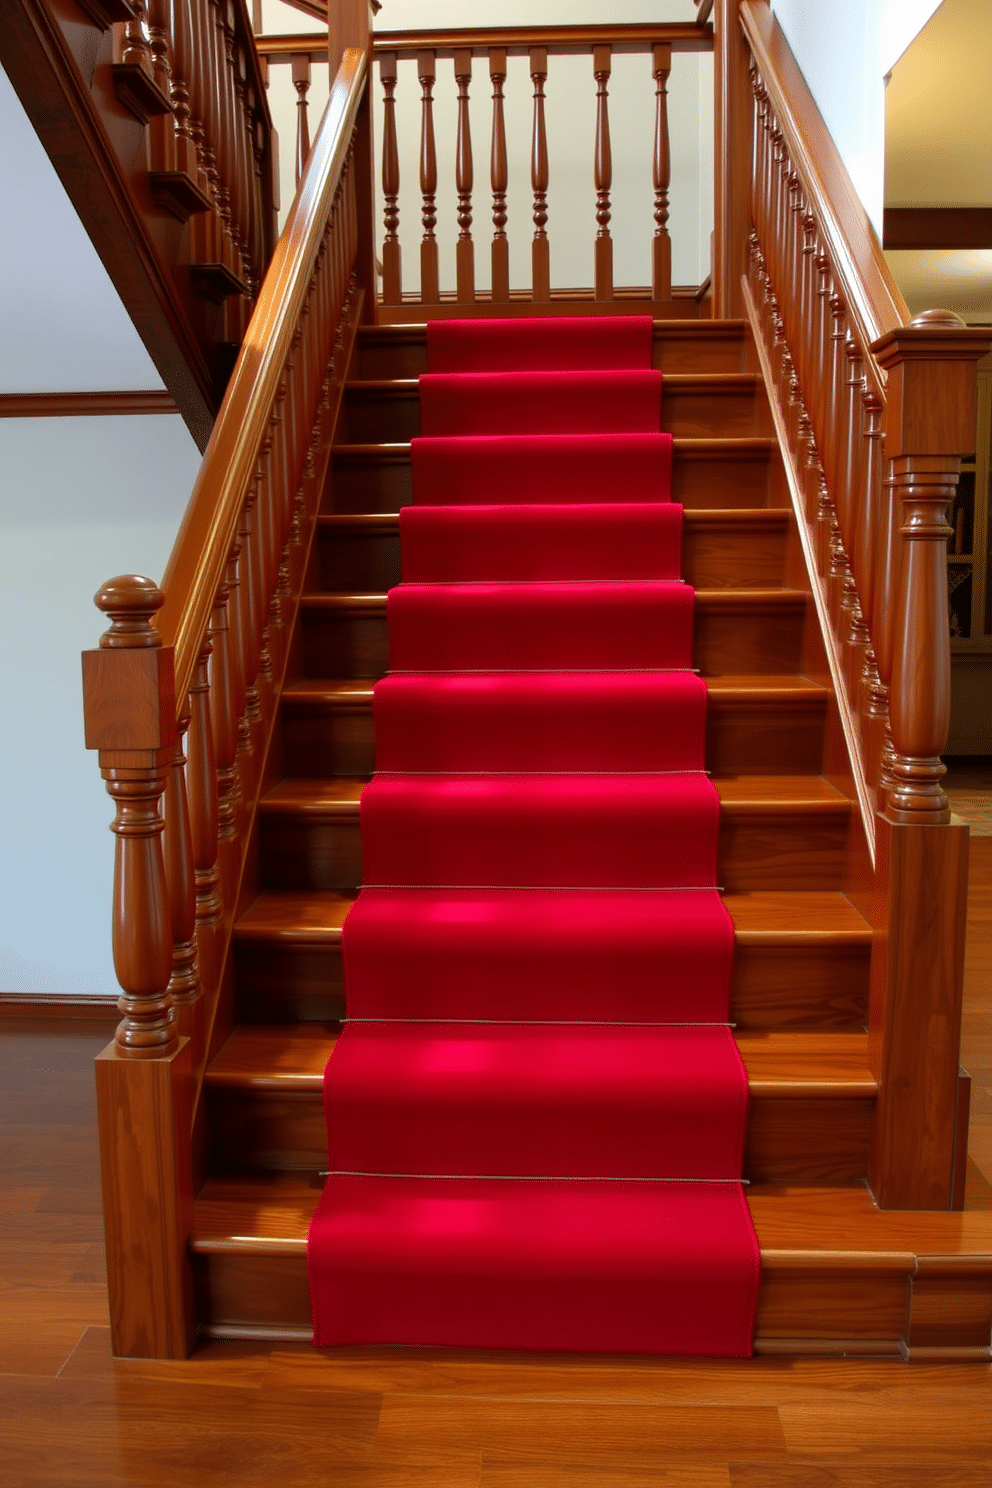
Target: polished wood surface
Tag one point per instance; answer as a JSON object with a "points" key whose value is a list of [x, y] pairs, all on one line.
{"points": [[937, 227], [493, 48], [84, 405]]}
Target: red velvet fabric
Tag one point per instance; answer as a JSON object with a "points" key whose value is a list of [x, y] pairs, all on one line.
{"points": [[513, 1100], [539, 403], [536, 1110], [626, 721], [543, 344], [571, 831], [452, 544], [544, 955], [525, 627], [548, 468], [616, 1267]]}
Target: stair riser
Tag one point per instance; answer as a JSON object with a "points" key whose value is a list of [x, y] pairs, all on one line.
{"points": [[383, 483], [773, 988], [791, 851], [788, 1141], [405, 355], [772, 740], [727, 641], [815, 1305], [712, 558], [373, 415]]}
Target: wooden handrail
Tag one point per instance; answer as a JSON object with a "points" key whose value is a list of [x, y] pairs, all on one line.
{"points": [[872, 415], [517, 41], [200, 555], [871, 292], [181, 699]]}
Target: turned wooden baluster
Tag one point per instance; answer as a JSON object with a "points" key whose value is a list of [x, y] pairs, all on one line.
{"points": [[201, 782], [464, 177], [130, 718], [930, 418], [224, 725], [301, 82], [184, 984], [499, 177], [430, 291], [540, 256], [392, 278], [661, 172], [602, 63]]}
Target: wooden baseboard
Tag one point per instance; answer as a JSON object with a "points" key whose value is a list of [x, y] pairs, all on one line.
{"points": [[38, 1005], [74, 405]]}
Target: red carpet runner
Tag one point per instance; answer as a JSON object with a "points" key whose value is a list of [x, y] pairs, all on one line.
{"points": [[536, 1109]]}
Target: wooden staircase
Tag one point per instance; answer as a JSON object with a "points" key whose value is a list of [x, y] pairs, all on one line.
{"points": [[837, 1274]]}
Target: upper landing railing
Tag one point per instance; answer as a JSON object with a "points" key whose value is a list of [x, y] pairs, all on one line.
{"points": [[441, 67]]}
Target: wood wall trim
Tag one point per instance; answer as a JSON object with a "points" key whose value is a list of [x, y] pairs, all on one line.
{"points": [[937, 227], [51, 1009], [71, 405]]}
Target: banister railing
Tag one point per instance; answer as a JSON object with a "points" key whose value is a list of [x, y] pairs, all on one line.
{"points": [[421, 51], [872, 415], [179, 700]]}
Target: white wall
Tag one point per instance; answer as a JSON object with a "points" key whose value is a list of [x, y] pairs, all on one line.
{"points": [[844, 49], [81, 499]]}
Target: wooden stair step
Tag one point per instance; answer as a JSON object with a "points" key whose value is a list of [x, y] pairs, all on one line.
{"points": [[734, 631], [838, 1274], [776, 832], [693, 405], [754, 725], [785, 1065], [679, 346], [721, 549], [809, 1113], [707, 473], [801, 960]]}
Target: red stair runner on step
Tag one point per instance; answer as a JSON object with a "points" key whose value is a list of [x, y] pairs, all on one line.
{"points": [[536, 1110]]}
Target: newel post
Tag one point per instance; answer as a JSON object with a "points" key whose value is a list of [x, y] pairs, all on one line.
{"points": [[733, 162], [143, 1078], [920, 1132]]}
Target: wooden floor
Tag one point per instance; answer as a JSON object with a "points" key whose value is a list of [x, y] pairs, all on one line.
{"points": [[248, 1414]]}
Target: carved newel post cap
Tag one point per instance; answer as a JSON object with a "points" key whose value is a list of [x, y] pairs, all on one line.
{"points": [[943, 319], [130, 600]]}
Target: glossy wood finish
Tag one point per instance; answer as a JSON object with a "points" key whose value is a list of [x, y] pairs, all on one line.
{"points": [[870, 415], [494, 47], [215, 655], [156, 121], [84, 405]]}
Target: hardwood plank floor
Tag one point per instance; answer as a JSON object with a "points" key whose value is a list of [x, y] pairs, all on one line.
{"points": [[245, 1413]]}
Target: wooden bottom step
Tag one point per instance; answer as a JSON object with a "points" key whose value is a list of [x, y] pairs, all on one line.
{"points": [[838, 1275]]}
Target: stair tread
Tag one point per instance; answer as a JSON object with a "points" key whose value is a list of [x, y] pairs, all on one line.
{"points": [[740, 795], [399, 387], [760, 918], [352, 693], [799, 1228], [722, 599], [294, 1056], [315, 917], [755, 516], [778, 917], [731, 444]]}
